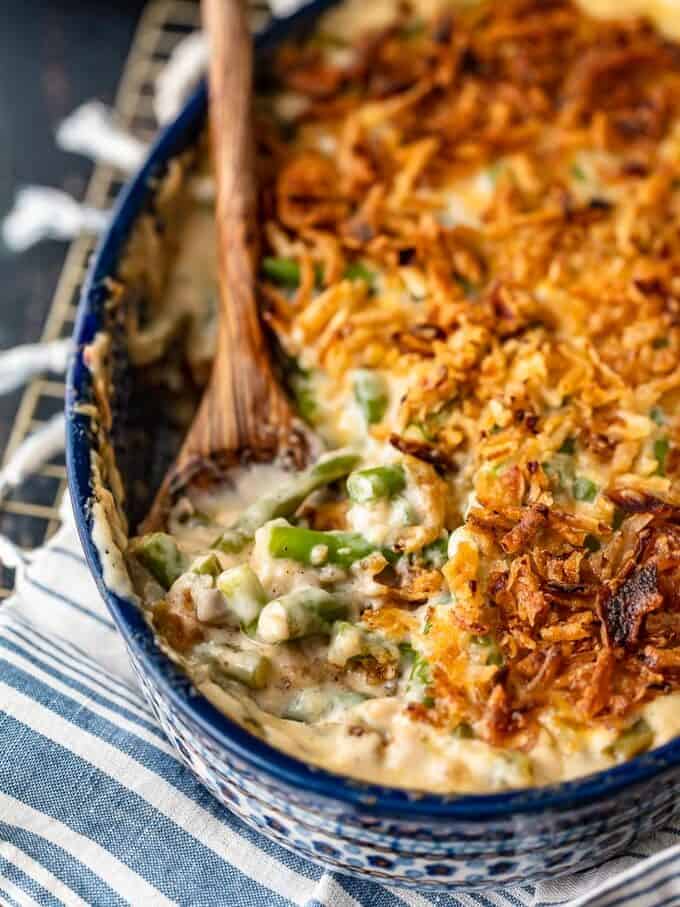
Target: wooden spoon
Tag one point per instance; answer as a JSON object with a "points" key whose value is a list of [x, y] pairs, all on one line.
{"points": [[244, 413]]}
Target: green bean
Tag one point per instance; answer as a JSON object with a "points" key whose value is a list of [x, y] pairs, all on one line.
{"points": [[243, 592], [161, 556], [568, 446], [407, 653], [316, 703], [463, 731], [349, 641], [468, 287], [282, 271], [298, 381], [578, 172], [661, 448], [378, 482], [436, 553], [305, 401], [488, 649], [304, 612], [313, 548], [359, 271], [561, 469], [584, 489], [286, 501], [416, 671], [249, 668], [420, 671], [632, 741], [370, 392], [656, 414], [285, 272], [206, 564]]}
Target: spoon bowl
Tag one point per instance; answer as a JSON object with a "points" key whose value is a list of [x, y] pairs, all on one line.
{"points": [[244, 413]]}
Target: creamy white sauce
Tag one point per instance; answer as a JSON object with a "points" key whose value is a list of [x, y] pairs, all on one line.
{"points": [[375, 739]]}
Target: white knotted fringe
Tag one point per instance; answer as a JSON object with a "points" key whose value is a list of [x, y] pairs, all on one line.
{"points": [[188, 61], [29, 456], [41, 212], [13, 558], [180, 74], [34, 452], [91, 130], [20, 363], [282, 8]]}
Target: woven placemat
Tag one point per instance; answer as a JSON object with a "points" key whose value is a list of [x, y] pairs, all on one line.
{"points": [[30, 514]]}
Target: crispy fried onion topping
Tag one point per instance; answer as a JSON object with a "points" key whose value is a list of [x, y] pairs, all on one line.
{"points": [[487, 206]]}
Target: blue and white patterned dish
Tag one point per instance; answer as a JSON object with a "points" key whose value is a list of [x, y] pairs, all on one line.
{"points": [[385, 834]]}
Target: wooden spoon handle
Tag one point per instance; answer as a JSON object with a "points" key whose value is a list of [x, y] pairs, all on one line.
{"points": [[230, 82], [244, 408], [244, 412]]}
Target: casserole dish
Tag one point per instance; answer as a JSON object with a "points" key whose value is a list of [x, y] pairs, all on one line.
{"points": [[385, 833]]}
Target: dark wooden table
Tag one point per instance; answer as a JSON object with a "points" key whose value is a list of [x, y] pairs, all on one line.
{"points": [[54, 54]]}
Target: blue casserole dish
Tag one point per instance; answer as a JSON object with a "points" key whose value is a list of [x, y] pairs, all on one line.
{"points": [[383, 834]]}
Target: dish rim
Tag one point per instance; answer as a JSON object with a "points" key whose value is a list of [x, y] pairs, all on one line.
{"points": [[383, 801]]}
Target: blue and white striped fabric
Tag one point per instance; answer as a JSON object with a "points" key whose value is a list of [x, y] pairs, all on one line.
{"points": [[95, 809]]}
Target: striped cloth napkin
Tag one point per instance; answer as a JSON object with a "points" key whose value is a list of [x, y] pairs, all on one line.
{"points": [[96, 810]]}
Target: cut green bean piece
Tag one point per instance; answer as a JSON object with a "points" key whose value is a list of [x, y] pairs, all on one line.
{"points": [[299, 382], [489, 649], [661, 448], [561, 469], [359, 271], [249, 668], [584, 489], [285, 272], [305, 401], [463, 731], [370, 392], [303, 612], [316, 703], [420, 671], [233, 540], [375, 483], [330, 468], [207, 564], [286, 501], [632, 741], [243, 592], [408, 654], [349, 641], [436, 553], [305, 545], [161, 556], [578, 172]]}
